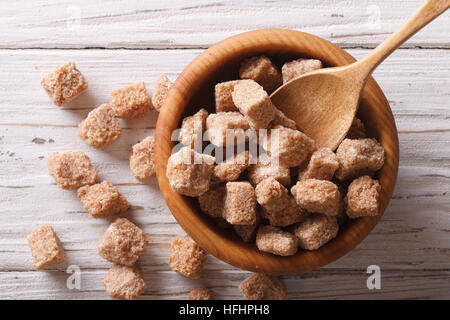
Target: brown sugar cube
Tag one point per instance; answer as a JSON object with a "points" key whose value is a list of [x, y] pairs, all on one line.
{"points": [[192, 129], [240, 203], [212, 201], [186, 257], [363, 197], [46, 248], [260, 286], [322, 166], [64, 84], [102, 200], [224, 99], [359, 157], [189, 172], [317, 196], [315, 231], [263, 71], [266, 168], [290, 147], [276, 241], [231, 169], [131, 102], [291, 214], [71, 170], [142, 160], [122, 243], [254, 103], [357, 130], [296, 68], [123, 282], [201, 293], [248, 232], [271, 194], [162, 87], [280, 208], [226, 127], [100, 128], [281, 119]]}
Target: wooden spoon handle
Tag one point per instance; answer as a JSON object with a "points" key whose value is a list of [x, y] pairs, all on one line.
{"points": [[429, 11]]}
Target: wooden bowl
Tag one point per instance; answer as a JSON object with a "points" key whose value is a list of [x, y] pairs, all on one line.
{"points": [[194, 89]]}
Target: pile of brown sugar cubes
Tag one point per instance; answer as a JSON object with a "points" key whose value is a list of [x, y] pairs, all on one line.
{"points": [[291, 195], [123, 242]]}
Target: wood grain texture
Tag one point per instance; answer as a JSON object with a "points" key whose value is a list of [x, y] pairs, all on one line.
{"points": [[410, 243], [187, 24]]}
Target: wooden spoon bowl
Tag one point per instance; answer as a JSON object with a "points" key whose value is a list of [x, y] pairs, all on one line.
{"points": [[194, 89]]}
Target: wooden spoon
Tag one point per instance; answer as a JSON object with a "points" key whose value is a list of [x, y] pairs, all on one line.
{"points": [[323, 103]]}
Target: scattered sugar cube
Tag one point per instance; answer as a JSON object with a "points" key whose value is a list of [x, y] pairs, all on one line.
{"points": [[124, 282], [315, 231], [281, 119], [131, 102], [296, 68], [162, 87], [100, 128], [263, 71], [290, 147], [201, 293], [226, 127], [224, 99], [280, 208], [71, 170], [266, 168], [254, 103], [317, 196], [322, 166], [212, 201], [189, 172], [357, 130], [46, 248], [142, 160], [359, 157], [186, 257], [231, 169], [363, 197], [64, 84], [102, 200], [122, 243], [260, 286], [240, 203], [192, 129], [276, 241]]}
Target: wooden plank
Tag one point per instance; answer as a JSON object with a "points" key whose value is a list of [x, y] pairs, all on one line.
{"points": [[184, 24], [417, 89], [320, 284]]}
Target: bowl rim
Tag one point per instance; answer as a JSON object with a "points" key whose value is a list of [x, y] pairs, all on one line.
{"points": [[197, 225]]}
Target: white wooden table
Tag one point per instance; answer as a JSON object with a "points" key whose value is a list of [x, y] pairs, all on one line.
{"points": [[118, 42]]}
